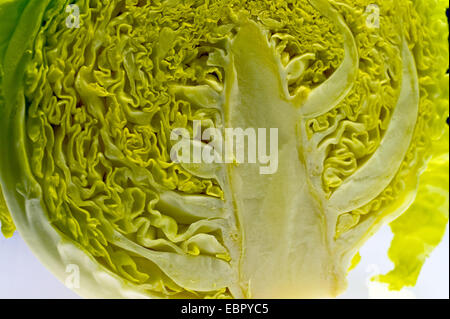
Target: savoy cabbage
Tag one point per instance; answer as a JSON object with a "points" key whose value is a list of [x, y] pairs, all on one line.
{"points": [[91, 90]]}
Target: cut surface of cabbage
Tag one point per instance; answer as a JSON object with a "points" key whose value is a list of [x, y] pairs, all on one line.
{"points": [[91, 92]]}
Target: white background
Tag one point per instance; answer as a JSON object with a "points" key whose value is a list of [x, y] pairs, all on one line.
{"points": [[22, 275]]}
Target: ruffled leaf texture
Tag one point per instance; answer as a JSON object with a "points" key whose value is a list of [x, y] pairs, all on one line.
{"points": [[421, 228], [86, 115]]}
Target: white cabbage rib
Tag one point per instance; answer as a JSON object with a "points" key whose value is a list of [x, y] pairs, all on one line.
{"points": [[330, 93], [196, 273], [377, 173], [190, 208]]}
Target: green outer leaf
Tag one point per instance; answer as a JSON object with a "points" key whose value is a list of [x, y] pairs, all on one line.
{"points": [[19, 21], [9, 15], [420, 229]]}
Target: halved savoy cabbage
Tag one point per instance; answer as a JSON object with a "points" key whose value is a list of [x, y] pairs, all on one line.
{"points": [[91, 90]]}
